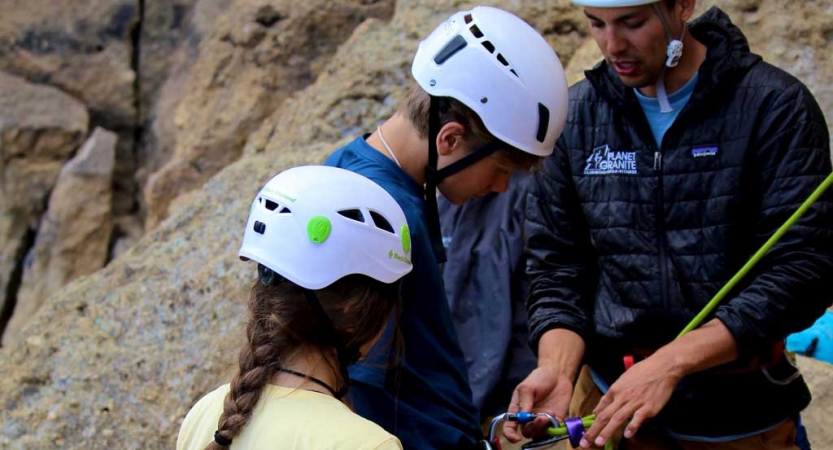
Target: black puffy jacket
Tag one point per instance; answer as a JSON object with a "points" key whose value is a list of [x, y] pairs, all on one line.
{"points": [[628, 242]]}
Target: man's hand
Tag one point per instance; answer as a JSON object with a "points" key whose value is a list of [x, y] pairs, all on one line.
{"points": [[548, 388], [643, 390], [640, 393], [543, 391]]}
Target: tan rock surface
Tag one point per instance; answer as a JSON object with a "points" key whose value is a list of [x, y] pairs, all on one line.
{"points": [[116, 358], [74, 234], [40, 128], [131, 347], [259, 54], [161, 97], [82, 47], [86, 48], [165, 29], [818, 417]]}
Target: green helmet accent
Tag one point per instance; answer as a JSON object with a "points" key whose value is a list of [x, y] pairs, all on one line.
{"points": [[406, 238], [318, 229]]}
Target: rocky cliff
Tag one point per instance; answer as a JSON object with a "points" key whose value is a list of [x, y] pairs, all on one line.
{"points": [[207, 99]]}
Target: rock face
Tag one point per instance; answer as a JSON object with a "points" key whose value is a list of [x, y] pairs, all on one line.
{"points": [[74, 234], [82, 47], [819, 376], [116, 358], [166, 71], [165, 25], [259, 54], [87, 50], [40, 128]]}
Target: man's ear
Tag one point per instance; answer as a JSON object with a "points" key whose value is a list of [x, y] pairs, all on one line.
{"points": [[685, 8], [450, 138]]}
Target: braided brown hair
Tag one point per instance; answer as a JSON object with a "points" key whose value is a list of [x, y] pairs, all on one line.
{"points": [[282, 322]]}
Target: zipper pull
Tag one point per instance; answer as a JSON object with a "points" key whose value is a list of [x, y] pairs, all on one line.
{"points": [[657, 161]]}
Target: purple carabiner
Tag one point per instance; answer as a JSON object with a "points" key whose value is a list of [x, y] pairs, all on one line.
{"points": [[575, 429]]}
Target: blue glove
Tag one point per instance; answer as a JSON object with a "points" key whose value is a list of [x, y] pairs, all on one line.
{"points": [[815, 341]]}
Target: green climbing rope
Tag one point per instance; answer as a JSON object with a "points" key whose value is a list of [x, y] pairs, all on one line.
{"points": [[757, 256]]}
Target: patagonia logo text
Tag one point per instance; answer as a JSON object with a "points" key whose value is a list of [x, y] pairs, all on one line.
{"points": [[703, 151], [605, 161]]}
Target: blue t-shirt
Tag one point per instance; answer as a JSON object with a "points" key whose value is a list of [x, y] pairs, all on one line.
{"points": [[659, 121], [425, 401]]}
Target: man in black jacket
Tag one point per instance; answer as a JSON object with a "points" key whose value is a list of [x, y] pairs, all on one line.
{"points": [[683, 153]]}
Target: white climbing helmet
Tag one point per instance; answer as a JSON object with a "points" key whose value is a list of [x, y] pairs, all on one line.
{"points": [[501, 68], [316, 224], [613, 3]]}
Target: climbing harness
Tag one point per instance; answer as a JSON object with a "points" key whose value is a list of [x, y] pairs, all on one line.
{"points": [[573, 429]]}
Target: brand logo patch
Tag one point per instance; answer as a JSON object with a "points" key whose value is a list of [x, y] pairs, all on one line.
{"points": [[393, 255], [605, 161], [700, 152]]}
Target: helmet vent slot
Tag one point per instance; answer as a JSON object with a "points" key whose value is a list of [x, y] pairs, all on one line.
{"points": [[487, 44], [543, 122], [453, 46], [381, 223], [352, 214], [284, 210], [270, 205]]}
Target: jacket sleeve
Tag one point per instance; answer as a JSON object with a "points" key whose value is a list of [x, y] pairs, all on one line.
{"points": [[560, 264], [789, 289]]}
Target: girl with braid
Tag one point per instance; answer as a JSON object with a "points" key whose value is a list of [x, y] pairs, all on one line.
{"points": [[330, 247]]}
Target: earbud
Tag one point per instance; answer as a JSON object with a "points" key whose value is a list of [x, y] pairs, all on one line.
{"points": [[674, 52]]}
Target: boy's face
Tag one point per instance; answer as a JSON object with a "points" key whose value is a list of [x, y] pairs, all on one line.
{"points": [[490, 174], [632, 40]]}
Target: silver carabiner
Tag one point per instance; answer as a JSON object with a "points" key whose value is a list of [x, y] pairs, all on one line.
{"points": [[522, 417]]}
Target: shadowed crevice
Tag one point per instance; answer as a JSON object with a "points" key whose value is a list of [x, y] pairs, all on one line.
{"points": [[15, 279]]}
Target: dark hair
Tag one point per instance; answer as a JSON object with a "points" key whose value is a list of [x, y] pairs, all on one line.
{"points": [[281, 322], [417, 105]]}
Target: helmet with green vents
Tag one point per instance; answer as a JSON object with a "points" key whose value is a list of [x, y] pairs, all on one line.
{"points": [[316, 224]]}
